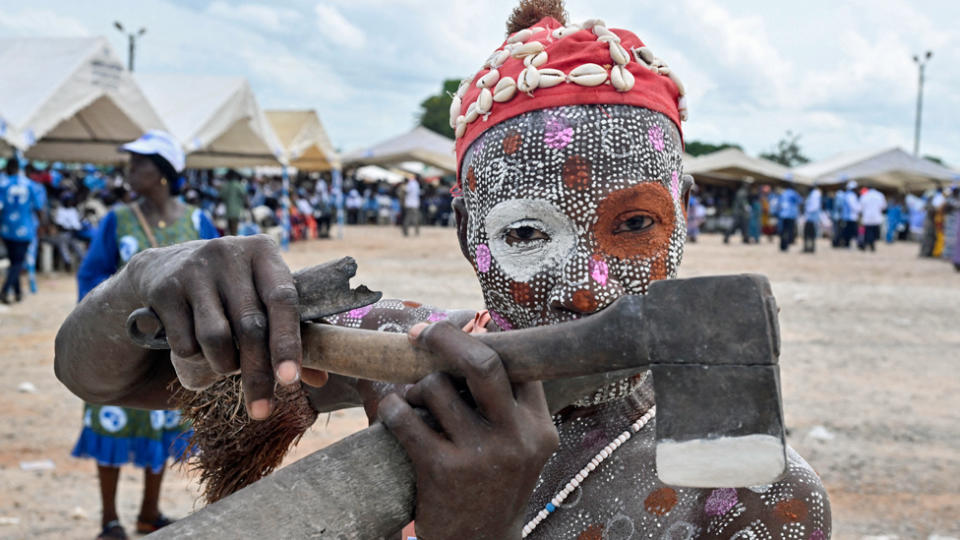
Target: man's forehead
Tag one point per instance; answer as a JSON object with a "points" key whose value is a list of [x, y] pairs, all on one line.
{"points": [[575, 152]]}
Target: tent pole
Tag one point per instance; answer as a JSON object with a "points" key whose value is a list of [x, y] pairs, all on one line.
{"points": [[285, 241], [337, 181]]}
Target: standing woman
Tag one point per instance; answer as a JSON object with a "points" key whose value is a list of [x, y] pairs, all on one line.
{"points": [[115, 436]]}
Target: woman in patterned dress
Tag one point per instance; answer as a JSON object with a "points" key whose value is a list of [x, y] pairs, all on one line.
{"points": [[572, 196], [111, 435]]}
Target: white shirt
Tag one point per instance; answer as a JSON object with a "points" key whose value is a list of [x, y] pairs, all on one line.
{"points": [[812, 204], [68, 218], [412, 198], [872, 205]]}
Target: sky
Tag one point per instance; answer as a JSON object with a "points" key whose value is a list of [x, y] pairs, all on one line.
{"points": [[838, 73]]}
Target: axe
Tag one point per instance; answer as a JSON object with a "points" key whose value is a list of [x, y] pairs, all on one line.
{"points": [[712, 344]]}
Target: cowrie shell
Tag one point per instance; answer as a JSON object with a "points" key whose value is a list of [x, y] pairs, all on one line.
{"points": [[618, 54], [621, 78], [531, 47], [676, 80], [602, 31], [454, 110], [612, 38], [590, 23], [499, 58], [484, 101], [551, 77], [461, 126], [663, 70], [560, 33], [520, 36], [528, 80], [489, 79], [536, 29], [505, 90], [472, 112], [588, 75], [536, 60], [682, 105], [645, 54], [462, 89]]}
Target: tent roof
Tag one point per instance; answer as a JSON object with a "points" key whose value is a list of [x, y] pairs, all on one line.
{"points": [[732, 165], [217, 119], [890, 168], [373, 173], [304, 140], [69, 99], [419, 144]]}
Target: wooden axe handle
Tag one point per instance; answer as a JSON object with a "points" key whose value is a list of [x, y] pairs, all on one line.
{"points": [[595, 344]]}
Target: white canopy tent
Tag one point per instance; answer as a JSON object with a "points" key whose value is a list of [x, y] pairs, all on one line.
{"points": [[886, 169], [372, 173], [217, 119], [69, 99], [419, 144], [305, 141], [731, 166]]}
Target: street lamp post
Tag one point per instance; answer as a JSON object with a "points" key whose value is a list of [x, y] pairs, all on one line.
{"points": [[131, 40], [921, 66]]}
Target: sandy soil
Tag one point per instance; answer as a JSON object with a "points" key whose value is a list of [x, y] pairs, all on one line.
{"points": [[871, 344]]}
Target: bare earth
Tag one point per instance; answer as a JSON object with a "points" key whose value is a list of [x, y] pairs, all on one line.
{"points": [[871, 345]]}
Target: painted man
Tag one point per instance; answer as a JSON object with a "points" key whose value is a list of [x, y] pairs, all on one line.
{"points": [[572, 196]]}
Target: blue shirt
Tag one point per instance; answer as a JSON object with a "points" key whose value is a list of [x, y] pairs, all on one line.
{"points": [[20, 200], [788, 205]]}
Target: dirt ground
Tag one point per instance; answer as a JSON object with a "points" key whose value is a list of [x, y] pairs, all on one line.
{"points": [[871, 345]]}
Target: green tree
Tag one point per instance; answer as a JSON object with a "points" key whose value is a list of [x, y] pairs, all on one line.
{"points": [[699, 148], [788, 152], [935, 159], [435, 110]]}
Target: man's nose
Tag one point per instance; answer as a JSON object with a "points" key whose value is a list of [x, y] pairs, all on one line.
{"points": [[586, 286]]}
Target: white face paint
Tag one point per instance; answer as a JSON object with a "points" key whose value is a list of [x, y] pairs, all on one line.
{"points": [[521, 261]]}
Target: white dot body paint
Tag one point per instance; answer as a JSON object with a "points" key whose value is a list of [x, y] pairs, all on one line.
{"points": [[523, 261]]}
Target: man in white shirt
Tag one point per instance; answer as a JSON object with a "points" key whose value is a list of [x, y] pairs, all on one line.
{"points": [[411, 206], [872, 205], [811, 216]]}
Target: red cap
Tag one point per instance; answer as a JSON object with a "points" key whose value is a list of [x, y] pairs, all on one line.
{"points": [[549, 65]]}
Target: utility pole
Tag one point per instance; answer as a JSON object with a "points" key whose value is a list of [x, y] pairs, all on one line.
{"points": [[132, 41], [921, 66]]}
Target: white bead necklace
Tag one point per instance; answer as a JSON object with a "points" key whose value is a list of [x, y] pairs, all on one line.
{"points": [[578, 479]]}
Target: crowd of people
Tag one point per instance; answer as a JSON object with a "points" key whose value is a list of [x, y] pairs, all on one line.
{"points": [[851, 216], [60, 206]]}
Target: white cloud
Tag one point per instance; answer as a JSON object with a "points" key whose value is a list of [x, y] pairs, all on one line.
{"points": [[337, 28], [41, 22], [260, 15]]}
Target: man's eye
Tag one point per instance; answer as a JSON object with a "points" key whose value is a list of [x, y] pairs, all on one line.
{"points": [[635, 223], [524, 234]]}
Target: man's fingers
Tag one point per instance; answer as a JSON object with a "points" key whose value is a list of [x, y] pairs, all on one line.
{"points": [[436, 393], [193, 372], [213, 329], [249, 324], [530, 394], [485, 374], [277, 292], [417, 438]]}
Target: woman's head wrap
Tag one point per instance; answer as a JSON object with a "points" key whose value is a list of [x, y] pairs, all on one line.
{"points": [[551, 65]]}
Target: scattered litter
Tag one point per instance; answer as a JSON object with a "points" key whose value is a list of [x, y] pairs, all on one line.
{"points": [[821, 433], [9, 520], [881, 537], [40, 465], [78, 513], [27, 388]]}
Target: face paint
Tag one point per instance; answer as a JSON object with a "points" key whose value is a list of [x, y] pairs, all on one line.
{"points": [[572, 207]]}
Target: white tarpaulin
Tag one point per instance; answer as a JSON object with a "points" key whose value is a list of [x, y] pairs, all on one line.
{"points": [[887, 168], [305, 142], [731, 165], [69, 99], [216, 119], [372, 173], [420, 144]]}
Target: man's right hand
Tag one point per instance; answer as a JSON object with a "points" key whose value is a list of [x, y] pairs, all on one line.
{"points": [[227, 304]]}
